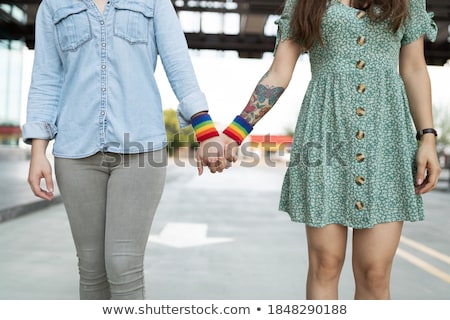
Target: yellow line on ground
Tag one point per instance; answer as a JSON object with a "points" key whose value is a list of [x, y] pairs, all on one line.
{"points": [[429, 251], [422, 264]]}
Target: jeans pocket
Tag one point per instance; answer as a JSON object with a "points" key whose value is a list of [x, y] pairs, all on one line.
{"points": [[72, 26], [131, 21]]}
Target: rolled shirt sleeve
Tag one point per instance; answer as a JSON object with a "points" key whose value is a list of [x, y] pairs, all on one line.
{"points": [[174, 53]]}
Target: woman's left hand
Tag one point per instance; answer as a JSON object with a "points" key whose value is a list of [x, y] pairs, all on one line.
{"points": [[427, 163]]}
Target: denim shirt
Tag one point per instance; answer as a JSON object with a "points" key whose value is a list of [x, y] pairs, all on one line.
{"points": [[93, 86]]}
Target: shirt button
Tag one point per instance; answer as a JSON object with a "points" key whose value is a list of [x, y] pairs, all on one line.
{"points": [[360, 64], [102, 113], [361, 40], [103, 67], [360, 157], [361, 88], [360, 180], [102, 22], [360, 111], [359, 205], [360, 135], [103, 44], [103, 89]]}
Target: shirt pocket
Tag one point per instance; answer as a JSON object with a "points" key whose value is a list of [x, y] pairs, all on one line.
{"points": [[73, 27], [131, 21]]}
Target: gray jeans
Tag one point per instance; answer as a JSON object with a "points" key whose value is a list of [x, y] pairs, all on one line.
{"points": [[110, 201]]}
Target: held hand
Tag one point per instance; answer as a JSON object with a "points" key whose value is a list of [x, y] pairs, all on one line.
{"points": [[427, 160], [210, 154], [40, 168]]}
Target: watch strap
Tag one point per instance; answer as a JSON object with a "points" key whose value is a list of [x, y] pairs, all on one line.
{"points": [[420, 133]]}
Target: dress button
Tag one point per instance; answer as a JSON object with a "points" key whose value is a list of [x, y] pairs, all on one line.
{"points": [[360, 64], [360, 180], [360, 111], [361, 88], [361, 40], [361, 14], [359, 205], [360, 157], [360, 135]]}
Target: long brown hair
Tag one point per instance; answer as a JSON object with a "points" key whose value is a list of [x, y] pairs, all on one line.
{"points": [[308, 14]]}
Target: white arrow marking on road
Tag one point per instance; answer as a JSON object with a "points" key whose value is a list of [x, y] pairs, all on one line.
{"points": [[185, 235]]}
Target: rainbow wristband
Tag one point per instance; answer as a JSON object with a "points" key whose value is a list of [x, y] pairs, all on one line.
{"points": [[239, 129], [204, 127]]}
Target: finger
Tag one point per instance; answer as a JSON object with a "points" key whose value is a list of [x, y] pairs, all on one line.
{"points": [[234, 150], [430, 182], [220, 168], [199, 168], [425, 186], [35, 184], [219, 165], [234, 158], [434, 177], [420, 177], [48, 182], [199, 164], [213, 167], [46, 186], [44, 194], [228, 152], [222, 164]]}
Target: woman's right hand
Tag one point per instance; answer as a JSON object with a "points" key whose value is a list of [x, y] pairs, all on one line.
{"points": [[40, 168]]}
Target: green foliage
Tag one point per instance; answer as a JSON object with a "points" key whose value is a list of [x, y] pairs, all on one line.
{"points": [[289, 131], [177, 137]]}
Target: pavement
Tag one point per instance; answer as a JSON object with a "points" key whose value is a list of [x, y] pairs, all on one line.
{"points": [[213, 237]]}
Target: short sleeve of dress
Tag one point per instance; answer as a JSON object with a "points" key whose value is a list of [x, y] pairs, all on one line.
{"points": [[419, 23], [284, 23]]}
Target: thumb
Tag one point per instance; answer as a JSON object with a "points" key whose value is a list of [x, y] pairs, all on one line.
{"points": [[420, 173], [48, 181], [234, 153], [199, 164]]}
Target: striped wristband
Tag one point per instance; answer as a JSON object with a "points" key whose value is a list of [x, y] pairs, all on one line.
{"points": [[239, 129], [204, 127]]}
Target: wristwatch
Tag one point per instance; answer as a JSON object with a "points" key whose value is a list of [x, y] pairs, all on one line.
{"points": [[420, 133]]}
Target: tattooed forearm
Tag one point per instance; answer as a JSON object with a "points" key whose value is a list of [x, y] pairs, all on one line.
{"points": [[262, 100]]}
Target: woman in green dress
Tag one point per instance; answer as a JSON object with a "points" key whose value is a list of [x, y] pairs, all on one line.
{"points": [[355, 162]]}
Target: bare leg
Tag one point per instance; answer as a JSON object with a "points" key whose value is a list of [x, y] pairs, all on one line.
{"points": [[326, 253], [373, 253]]}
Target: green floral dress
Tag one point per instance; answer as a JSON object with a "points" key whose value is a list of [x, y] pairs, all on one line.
{"points": [[353, 155]]}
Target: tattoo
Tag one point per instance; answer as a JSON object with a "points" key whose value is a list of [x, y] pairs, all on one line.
{"points": [[262, 100]]}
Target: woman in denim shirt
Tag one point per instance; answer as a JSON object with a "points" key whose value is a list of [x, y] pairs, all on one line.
{"points": [[94, 92]]}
